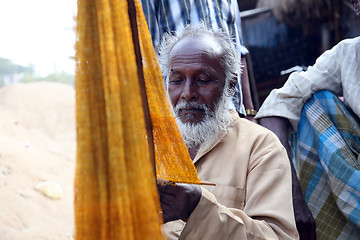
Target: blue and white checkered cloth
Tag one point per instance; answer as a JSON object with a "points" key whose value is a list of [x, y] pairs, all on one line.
{"points": [[327, 163]]}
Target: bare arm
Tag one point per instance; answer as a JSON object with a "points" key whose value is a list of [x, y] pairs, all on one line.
{"points": [[245, 88]]}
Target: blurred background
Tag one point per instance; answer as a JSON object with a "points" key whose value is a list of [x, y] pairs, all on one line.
{"points": [[288, 35], [283, 36], [37, 41]]}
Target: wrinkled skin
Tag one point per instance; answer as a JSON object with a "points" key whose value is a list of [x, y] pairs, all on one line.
{"points": [[305, 222]]}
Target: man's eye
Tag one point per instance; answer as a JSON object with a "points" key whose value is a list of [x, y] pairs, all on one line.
{"points": [[203, 80], [176, 81]]}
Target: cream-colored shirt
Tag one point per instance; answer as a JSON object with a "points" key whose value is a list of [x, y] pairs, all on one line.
{"points": [[336, 70], [252, 197]]}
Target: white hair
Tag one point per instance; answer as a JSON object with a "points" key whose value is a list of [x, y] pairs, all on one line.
{"points": [[230, 61]]}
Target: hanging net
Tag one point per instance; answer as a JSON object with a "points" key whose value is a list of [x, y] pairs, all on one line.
{"points": [[124, 125]]}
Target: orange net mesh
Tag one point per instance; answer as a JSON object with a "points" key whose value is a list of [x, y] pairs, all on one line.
{"points": [[115, 187], [173, 162]]}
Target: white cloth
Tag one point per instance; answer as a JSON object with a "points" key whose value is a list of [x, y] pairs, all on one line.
{"points": [[336, 70]]}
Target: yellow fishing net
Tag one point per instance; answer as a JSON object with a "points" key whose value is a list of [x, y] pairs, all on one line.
{"points": [[115, 186]]}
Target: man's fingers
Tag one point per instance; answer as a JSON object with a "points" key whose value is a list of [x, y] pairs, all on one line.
{"points": [[166, 186]]}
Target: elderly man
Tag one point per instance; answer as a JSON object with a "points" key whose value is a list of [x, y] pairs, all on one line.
{"points": [[327, 135], [251, 198]]}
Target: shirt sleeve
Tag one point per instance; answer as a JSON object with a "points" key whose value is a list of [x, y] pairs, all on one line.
{"points": [[288, 101], [268, 210]]}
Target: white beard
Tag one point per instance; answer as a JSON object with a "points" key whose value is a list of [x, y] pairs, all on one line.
{"points": [[205, 133]]}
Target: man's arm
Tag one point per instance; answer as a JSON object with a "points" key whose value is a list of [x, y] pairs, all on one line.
{"points": [[263, 208], [246, 91], [305, 222]]}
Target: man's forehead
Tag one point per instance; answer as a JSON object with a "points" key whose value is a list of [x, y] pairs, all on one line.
{"points": [[193, 44]]}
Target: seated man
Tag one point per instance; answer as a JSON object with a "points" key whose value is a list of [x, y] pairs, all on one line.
{"points": [[327, 143], [251, 198]]}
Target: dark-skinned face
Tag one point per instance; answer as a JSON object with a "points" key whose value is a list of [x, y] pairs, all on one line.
{"points": [[196, 76]]}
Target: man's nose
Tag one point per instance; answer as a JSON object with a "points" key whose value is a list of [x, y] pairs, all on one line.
{"points": [[189, 90]]}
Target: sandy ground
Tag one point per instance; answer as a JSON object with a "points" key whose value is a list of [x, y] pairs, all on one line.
{"points": [[37, 143]]}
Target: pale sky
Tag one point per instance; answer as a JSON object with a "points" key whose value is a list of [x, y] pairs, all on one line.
{"points": [[39, 32]]}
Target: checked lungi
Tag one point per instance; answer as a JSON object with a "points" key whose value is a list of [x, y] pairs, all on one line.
{"points": [[326, 155]]}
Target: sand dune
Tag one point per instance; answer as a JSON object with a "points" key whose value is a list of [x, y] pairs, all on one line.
{"points": [[37, 144]]}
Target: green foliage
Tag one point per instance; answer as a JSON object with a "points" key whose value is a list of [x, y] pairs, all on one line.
{"points": [[27, 74], [8, 67], [59, 77]]}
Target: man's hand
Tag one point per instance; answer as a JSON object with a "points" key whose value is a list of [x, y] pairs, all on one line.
{"points": [[178, 201]]}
